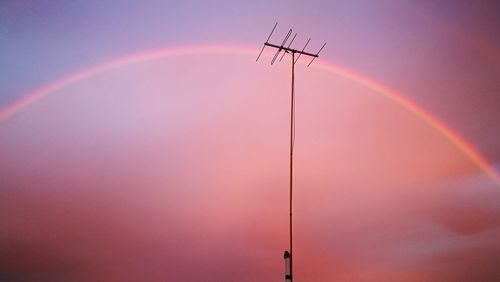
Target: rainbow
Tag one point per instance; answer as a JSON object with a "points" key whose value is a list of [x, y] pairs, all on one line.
{"points": [[467, 149]]}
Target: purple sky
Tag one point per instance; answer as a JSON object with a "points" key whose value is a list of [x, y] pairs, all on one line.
{"points": [[175, 169]]}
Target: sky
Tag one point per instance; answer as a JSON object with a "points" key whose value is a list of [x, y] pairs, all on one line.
{"points": [[141, 141]]}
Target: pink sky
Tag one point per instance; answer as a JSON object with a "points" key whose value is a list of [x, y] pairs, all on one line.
{"points": [[175, 169]]}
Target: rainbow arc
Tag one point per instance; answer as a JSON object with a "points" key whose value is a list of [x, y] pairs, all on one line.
{"points": [[454, 138]]}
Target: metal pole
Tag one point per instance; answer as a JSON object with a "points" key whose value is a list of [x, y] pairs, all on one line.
{"points": [[292, 133], [289, 255]]}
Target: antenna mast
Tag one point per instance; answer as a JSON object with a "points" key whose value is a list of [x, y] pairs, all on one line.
{"points": [[288, 256]]}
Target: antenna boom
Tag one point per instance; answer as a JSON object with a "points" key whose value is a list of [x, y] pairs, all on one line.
{"points": [[286, 49]]}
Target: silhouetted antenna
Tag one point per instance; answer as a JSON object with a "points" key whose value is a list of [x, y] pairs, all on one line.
{"points": [[288, 256]]}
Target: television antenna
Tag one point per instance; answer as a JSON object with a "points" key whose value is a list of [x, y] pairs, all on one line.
{"points": [[288, 256]]}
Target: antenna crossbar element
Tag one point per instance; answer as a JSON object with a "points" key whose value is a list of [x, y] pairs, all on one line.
{"points": [[289, 44], [267, 41], [281, 47], [317, 54], [308, 40]]}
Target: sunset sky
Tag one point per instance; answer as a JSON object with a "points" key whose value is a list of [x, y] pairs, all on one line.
{"points": [[140, 141]]}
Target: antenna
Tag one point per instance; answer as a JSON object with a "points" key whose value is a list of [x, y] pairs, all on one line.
{"points": [[288, 256]]}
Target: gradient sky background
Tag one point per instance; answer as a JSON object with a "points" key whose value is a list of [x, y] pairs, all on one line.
{"points": [[175, 168]]}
